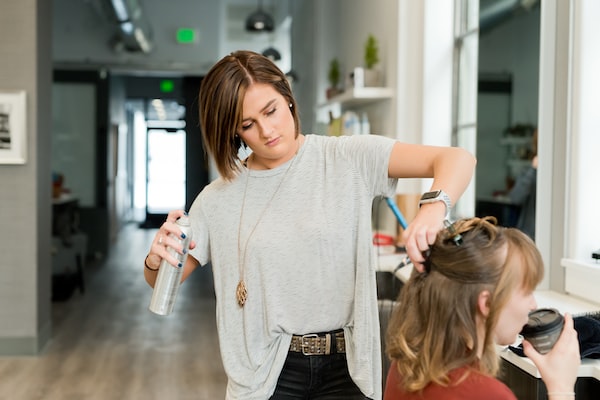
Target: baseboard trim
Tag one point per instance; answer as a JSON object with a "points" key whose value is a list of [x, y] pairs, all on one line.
{"points": [[26, 346]]}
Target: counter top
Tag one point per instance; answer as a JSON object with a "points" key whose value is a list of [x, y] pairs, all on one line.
{"points": [[589, 368], [564, 302]]}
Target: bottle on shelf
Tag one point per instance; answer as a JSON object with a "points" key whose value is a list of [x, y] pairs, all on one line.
{"points": [[365, 126], [350, 123]]}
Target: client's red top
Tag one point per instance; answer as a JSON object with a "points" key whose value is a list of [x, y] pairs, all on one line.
{"points": [[475, 387]]}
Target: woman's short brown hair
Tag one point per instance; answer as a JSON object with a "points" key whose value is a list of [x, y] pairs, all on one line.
{"points": [[222, 94]]}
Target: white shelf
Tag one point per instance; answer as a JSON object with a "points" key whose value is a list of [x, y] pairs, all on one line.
{"points": [[360, 96]]}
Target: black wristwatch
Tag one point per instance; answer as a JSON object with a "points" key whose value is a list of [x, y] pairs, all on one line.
{"points": [[438, 195]]}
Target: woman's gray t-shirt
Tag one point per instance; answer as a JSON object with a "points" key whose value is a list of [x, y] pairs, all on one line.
{"points": [[310, 262]]}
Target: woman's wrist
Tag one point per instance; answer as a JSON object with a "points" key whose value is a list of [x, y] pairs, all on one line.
{"points": [[561, 395], [148, 267]]}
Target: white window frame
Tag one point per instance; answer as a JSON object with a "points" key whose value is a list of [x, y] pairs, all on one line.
{"points": [[464, 90], [568, 210]]}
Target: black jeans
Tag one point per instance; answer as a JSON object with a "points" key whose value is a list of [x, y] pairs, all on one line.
{"points": [[316, 377]]}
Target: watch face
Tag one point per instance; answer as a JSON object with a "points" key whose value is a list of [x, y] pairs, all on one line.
{"points": [[430, 195]]}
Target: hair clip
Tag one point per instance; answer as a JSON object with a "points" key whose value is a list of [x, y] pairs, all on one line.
{"points": [[427, 262], [456, 237]]}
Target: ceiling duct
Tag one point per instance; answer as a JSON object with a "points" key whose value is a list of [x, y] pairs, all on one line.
{"points": [[501, 10], [134, 30]]}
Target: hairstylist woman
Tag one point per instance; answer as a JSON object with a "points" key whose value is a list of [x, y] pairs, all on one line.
{"points": [[287, 231]]}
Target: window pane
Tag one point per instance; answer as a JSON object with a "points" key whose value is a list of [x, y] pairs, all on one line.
{"points": [[465, 90], [467, 139], [467, 80]]}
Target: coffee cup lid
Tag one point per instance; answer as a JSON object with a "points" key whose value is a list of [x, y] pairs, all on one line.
{"points": [[541, 320]]}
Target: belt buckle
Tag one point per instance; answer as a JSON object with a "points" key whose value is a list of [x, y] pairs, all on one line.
{"points": [[304, 345]]}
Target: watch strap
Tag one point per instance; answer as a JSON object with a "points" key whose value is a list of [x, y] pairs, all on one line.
{"points": [[435, 196]]}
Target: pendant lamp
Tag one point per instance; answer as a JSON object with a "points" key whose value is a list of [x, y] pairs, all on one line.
{"points": [[272, 53], [291, 76], [259, 21]]}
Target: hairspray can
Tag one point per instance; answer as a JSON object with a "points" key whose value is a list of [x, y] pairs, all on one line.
{"points": [[169, 276]]}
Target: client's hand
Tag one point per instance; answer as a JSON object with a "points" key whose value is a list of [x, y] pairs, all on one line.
{"points": [[560, 365]]}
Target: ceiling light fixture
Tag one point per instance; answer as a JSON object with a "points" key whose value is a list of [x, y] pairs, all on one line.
{"points": [[291, 76], [259, 21], [272, 53]]}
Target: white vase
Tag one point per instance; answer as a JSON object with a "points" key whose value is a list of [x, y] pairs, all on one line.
{"points": [[366, 77], [373, 77]]}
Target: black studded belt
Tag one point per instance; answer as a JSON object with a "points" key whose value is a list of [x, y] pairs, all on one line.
{"points": [[319, 344]]}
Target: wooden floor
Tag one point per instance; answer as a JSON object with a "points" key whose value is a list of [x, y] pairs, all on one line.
{"points": [[106, 344]]}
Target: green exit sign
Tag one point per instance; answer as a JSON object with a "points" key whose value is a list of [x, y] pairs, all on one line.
{"points": [[167, 85], [187, 35]]}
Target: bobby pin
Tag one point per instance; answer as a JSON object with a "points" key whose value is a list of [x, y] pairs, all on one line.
{"points": [[456, 237]]}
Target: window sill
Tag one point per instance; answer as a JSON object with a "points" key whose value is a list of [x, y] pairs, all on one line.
{"points": [[582, 278]]}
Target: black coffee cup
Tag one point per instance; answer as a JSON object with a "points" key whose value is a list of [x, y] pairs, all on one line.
{"points": [[543, 328]]}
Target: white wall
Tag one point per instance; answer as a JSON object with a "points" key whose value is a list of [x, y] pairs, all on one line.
{"points": [[416, 40], [416, 59], [345, 40], [437, 70], [25, 197]]}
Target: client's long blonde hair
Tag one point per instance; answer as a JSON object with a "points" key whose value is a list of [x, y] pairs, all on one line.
{"points": [[433, 328]]}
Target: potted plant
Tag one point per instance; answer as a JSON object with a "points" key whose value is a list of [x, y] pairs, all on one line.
{"points": [[371, 52], [333, 76], [372, 76]]}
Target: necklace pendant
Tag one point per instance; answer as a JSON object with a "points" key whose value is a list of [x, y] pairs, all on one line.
{"points": [[241, 293]]}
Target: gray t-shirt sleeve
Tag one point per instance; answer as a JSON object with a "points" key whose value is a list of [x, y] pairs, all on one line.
{"points": [[370, 155]]}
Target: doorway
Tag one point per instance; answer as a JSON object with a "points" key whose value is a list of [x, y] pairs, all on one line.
{"points": [[165, 166], [168, 162], [159, 159]]}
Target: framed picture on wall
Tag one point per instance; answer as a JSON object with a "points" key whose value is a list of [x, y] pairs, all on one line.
{"points": [[13, 132]]}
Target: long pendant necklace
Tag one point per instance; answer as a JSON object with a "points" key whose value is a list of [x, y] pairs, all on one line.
{"points": [[241, 292]]}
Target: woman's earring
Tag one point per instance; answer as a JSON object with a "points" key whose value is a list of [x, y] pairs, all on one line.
{"points": [[290, 105], [238, 142]]}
